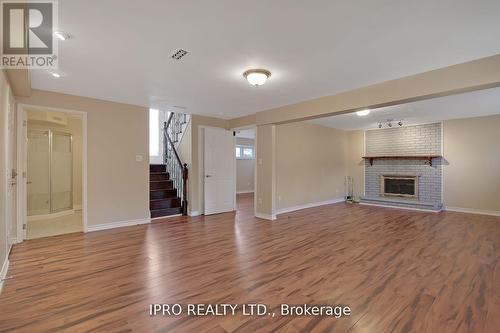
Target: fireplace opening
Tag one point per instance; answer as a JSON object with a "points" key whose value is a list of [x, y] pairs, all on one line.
{"points": [[399, 186]]}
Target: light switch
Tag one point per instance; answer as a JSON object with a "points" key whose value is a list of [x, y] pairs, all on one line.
{"points": [[138, 158]]}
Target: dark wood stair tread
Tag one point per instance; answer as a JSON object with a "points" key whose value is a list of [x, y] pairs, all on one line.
{"points": [[159, 174], [161, 185], [174, 202], [163, 197], [162, 194], [166, 212], [157, 168]]}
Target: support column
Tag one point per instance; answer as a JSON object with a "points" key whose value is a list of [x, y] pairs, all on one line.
{"points": [[265, 185]]}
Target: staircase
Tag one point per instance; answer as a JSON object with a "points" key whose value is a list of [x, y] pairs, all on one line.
{"points": [[163, 199], [168, 181]]}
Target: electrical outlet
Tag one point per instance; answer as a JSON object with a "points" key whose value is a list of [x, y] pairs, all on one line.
{"points": [[260, 201], [138, 158]]}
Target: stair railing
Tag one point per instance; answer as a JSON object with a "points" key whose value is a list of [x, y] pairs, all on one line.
{"points": [[178, 171]]}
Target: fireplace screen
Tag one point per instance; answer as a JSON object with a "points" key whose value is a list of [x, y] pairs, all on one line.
{"points": [[400, 186]]}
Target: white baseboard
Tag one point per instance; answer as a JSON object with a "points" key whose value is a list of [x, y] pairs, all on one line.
{"points": [[118, 224], [244, 192], [310, 205], [50, 216], [164, 217], [265, 216], [473, 211], [194, 213], [3, 273], [400, 207]]}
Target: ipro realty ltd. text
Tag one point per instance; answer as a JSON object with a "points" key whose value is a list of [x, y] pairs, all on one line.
{"points": [[252, 309]]}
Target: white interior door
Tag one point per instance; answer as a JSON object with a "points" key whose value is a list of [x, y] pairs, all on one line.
{"points": [[219, 173]]}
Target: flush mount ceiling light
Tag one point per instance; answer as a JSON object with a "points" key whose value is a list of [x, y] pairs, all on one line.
{"points": [[257, 77], [363, 112], [62, 35]]}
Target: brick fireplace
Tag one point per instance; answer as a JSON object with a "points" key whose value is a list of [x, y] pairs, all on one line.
{"points": [[403, 166]]}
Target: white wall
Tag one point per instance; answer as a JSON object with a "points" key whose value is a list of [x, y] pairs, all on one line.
{"points": [[162, 118]]}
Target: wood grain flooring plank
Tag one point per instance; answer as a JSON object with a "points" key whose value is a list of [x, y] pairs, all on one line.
{"points": [[399, 271]]}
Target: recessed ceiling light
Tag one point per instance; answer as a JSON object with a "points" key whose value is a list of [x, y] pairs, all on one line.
{"points": [[62, 35], [363, 112], [55, 74], [257, 77]]}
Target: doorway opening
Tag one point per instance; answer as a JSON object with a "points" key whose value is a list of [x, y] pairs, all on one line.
{"points": [[245, 170], [54, 169]]}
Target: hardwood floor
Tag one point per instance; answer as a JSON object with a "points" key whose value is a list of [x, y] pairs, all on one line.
{"points": [[399, 271]]}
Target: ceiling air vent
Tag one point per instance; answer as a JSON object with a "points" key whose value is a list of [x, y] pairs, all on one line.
{"points": [[178, 54]]}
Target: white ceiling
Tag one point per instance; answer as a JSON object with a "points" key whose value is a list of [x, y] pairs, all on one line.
{"points": [[121, 49], [472, 104]]}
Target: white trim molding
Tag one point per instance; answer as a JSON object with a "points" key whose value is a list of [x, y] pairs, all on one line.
{"points": [[473, 211], [310, 205], [3, 273], [117, 224], [164, 217], [270, 217], [244, 192]]}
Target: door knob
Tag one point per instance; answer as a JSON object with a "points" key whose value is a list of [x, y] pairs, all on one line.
{"points": [[208, 176]]}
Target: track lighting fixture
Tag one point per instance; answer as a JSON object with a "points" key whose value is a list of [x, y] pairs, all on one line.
{"points": [[389, 123]]}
